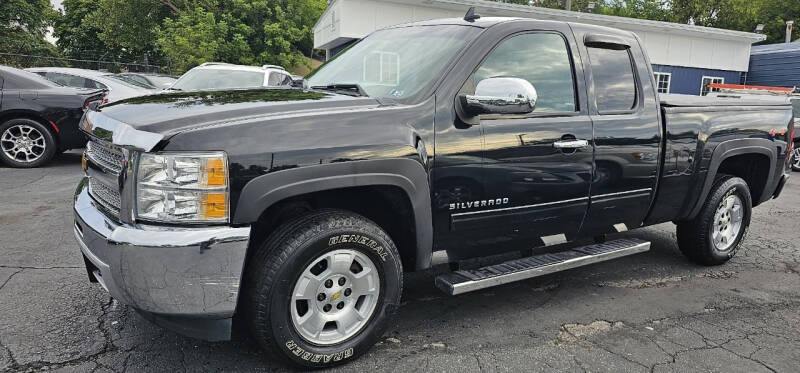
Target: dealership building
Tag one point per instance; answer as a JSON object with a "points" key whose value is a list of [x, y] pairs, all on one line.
{"points": [[685, 57]]}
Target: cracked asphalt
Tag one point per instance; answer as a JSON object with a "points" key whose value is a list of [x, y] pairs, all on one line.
{"points": [[654, 311]]}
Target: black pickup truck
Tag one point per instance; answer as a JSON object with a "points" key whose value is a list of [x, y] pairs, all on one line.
{"points": [[297, 211]]}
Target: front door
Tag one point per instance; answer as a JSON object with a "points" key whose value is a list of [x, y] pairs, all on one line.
{"points": [[538, 166]]}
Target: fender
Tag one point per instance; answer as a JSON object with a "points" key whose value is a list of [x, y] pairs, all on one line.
{"points": [[732, 148], [405, 173]]}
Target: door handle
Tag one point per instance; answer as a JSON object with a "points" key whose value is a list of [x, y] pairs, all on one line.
{"points": [[571, 144]]}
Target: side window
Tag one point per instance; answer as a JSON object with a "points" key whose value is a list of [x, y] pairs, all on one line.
{"points": [[67, 80], [614, 83], [275, 79], [540, 58], [94, 84], [287, 80], [138, 79]]}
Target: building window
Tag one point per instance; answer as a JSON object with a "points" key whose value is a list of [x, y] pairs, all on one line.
{"points": [[704, 89], [382, 68], [662, 81]]}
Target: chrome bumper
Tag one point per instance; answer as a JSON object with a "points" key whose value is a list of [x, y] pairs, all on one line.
{"points": [[170, 271]]}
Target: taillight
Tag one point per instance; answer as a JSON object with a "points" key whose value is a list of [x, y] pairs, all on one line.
{"points": [[101, 100]]}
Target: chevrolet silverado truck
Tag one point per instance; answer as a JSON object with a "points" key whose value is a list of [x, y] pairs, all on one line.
{"points": [[296, 211]]}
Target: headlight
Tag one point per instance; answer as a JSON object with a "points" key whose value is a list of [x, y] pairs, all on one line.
{"points": [[182, 187]]}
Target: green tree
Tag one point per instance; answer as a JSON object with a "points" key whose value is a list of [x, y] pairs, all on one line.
{"points": [[128, 27], [23, 26], [78, 38], [240, 31], [193, 38]]}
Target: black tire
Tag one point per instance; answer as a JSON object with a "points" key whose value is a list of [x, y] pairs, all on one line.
{"points": [[290, 249], [694, 236], [49, 143]]}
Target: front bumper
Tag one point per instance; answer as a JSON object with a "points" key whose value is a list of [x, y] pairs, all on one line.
{"points": [[169, 272]]}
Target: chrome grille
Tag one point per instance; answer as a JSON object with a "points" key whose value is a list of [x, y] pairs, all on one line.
{"points": [[105, 155], [107, 196]]}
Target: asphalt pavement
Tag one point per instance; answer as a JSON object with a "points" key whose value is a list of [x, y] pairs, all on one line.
{"points": [[654, 311]]}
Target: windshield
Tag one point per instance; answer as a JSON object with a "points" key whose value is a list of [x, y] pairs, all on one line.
{"points": [[396, 63], [203, 79], [129, 81], [161, 81]]}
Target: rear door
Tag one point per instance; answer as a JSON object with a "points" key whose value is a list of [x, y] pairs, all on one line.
{"points": [[627, 131], [538, 166]]}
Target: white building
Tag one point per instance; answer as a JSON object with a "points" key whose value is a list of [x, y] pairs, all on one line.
{"points": [[685, 57]]}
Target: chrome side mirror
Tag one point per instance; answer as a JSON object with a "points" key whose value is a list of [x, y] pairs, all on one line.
{"points": [[502, 95]]}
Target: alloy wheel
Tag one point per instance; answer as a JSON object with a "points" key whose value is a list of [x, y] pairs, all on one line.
{"points": [[23, 143], [727, 222], [335, 297]]}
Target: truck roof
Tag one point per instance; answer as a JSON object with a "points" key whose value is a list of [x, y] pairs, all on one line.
{"points": [[486, 22]]}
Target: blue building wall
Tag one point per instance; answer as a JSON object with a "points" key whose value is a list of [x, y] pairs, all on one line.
{"points": [[687, 80], [776, 65]]}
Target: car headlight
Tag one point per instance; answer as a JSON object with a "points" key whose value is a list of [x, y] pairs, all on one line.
{"points": [[182, 187]]}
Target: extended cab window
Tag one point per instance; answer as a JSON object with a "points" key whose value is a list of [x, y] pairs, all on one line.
{"points": [[614, 84], [540, 58]]}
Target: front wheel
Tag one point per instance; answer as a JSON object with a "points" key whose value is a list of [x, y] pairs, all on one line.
{"points": [[323, 287], [713, 236]]}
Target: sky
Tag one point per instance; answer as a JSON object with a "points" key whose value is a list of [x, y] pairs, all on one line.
{"points": [[56, 5]]}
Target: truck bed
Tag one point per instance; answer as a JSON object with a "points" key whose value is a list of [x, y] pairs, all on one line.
{"points": [[719, 99], [694, 126]]}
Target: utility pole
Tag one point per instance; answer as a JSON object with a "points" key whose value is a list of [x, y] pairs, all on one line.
{"points": [[569, 5], [788, 30]]}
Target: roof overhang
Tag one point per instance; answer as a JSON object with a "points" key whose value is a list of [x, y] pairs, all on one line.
{"points": [[605, 20]]}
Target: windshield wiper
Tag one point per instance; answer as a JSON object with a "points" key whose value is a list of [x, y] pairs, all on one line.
{"points": [[173, 89], [353, 88]]}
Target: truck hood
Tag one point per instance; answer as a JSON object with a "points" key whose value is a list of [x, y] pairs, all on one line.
{"points": [[170, 113]]}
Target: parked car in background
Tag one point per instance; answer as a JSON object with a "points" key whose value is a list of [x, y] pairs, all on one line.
{"points": [[118, 88], [39, 118], [218, 75], [154, 80]]}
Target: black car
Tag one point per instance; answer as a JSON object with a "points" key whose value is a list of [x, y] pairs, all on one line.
{"points": [[39, 118]]}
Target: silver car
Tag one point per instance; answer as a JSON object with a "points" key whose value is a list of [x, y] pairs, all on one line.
{"points": [[118, 87], [219, 75]]}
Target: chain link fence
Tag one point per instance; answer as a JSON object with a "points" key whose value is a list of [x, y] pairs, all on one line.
{"points": [[27, 60]]}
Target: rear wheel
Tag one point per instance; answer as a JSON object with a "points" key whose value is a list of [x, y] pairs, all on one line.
{"points": [[796, 158], [713, 236], [26, 143], [323, 287]]}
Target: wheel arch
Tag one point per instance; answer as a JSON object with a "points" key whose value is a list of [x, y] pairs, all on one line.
{"points": [[735, 152], [389, 179]]}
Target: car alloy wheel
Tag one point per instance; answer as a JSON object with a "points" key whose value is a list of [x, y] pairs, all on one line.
{"points": [[23, 143]]}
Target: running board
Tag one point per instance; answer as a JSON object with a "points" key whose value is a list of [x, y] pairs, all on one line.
{"points": [[464, 281]]}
